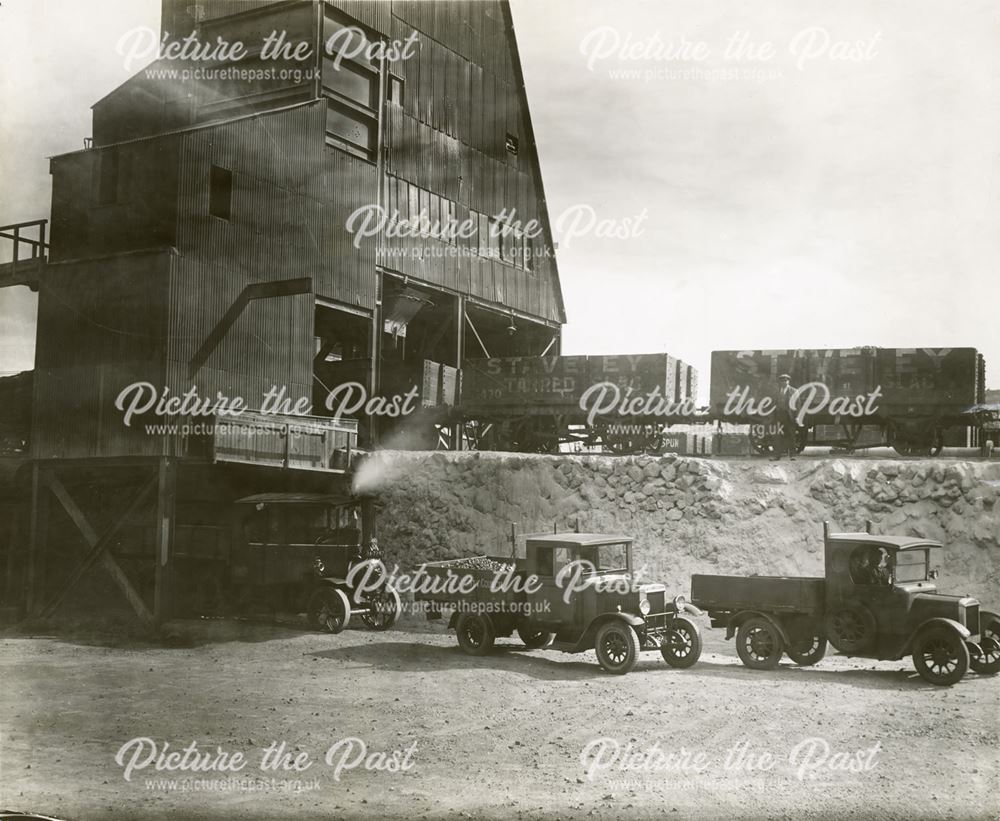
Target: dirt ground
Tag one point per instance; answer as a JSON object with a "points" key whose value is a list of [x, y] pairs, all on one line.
{"points": [[498, 736]]}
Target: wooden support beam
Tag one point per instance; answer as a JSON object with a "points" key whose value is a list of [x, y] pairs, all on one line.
{"points": [[98, 548], [259, 290], [91, 538], [166, 503]]}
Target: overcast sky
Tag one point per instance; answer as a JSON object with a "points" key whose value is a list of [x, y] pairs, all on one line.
{"points": [[839, 189]]}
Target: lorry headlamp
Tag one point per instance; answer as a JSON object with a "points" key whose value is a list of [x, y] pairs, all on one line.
{"points": [[644, 606]]}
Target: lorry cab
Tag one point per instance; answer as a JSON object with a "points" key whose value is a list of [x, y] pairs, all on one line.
{"points": [[879, 589], [574, 572]]}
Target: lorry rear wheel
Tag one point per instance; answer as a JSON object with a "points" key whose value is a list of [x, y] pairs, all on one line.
{"points": [[617, 647], [758, 644], [988, 661], [476, 634], [533, 638], [940, 656], [806, 652], [681, 646]]}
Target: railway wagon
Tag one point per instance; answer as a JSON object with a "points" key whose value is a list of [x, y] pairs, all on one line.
{"points": [[534, 403], [912, 395]]}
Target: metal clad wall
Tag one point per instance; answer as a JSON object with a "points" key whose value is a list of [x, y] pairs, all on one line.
{"points": [[101, 326], [460, 100], [346, 273], [274, 233], [144, 212]]}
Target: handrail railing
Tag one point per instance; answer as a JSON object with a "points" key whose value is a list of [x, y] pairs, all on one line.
{"points": [[37, 244]]}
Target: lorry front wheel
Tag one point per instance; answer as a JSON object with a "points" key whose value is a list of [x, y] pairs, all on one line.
{"points": [[987, 661], [940, 656], [476, 633], [758, 644], [681, 646], [617, 647]]}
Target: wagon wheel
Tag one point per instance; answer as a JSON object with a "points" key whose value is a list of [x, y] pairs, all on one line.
{"points": [[851, 629], [940, 656], [762, 443], [916, 443], [620, 444], [536, 435]]}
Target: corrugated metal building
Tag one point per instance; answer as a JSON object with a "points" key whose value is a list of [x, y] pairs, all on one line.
{"points": [[204, 239]]}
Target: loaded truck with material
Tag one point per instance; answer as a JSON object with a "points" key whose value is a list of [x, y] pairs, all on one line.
{"points": [[572, 592]]}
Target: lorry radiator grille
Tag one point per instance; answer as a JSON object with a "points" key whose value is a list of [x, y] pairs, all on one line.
{"points": [[657, 601], [972, 618]]}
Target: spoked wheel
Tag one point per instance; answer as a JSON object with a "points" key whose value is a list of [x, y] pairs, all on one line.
{"points": [[384, 608], [806, 652], [617, 647], [987, 660], [851, 629], [758, 644], [329, 610], [681, 646], [940, 656], [475, 633], [534, 638]]}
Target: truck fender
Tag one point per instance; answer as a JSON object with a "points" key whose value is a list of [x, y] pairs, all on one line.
{"points": [[682, 605], [453, 621], [738, 618], [586, 641], [958, 627]]}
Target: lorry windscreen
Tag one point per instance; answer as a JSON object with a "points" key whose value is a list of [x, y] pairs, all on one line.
{"points": [[911, 565]]}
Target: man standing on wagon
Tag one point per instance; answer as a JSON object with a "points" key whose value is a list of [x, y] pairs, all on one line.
{"points": [[784, 442]]}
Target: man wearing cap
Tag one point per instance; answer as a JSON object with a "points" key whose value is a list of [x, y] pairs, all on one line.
{"points": [[785, 441]]}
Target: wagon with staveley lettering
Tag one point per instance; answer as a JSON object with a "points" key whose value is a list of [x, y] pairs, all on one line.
{"points": [[919, 399], [572, 592], [877, 600]]}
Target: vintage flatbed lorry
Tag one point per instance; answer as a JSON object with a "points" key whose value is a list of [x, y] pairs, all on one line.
{"points": [[571, 591], [877, 600]]}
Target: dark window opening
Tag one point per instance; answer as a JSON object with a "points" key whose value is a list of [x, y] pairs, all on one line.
{"points": [[512, 144], [107, 193], [351, 86], [220, 196], [395, 90]]}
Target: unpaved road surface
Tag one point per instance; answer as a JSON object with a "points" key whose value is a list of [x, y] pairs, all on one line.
{"points": [[499, 736]]}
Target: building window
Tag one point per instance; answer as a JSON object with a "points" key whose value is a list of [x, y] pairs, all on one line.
{"points": [[511, 144], [107, 190], [350, 85], [394, 90], [220, 192]]}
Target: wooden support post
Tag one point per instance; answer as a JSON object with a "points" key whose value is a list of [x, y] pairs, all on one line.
{"points": [[458, 427], [166, 503], [36, 537]]}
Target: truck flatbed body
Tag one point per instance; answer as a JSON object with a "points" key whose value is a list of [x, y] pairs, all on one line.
{"points": [[779, 594]]}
